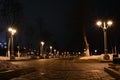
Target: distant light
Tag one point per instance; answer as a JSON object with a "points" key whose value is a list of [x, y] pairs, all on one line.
{"points": [[73, 52], [32, 52], [95, 51], [42, 43], [67, 52], [2, 45], [54, 50], [24, 47], [50, 47], [58, 52], [5, 47], [5, 43]]}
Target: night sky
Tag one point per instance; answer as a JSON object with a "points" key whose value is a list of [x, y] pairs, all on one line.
{"points": [[61, 23]]}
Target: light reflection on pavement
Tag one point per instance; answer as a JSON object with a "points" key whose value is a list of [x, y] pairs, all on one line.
{"points": [[64, 69]]}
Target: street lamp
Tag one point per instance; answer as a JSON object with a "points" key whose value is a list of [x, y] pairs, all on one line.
{"points": [[50, 49], [18, 53], [12, 31], [41, 48], [104, 25], [54, 53]]}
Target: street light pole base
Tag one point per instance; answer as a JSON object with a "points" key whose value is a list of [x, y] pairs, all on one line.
{"points": [[106, 57], [12, 57]]}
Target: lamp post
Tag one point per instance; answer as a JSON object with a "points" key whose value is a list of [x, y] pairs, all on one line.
{"points": [[12, 31], [54, 53], [104, 25], [18, 53], [8, 52], [41, 48], [50, 50]]}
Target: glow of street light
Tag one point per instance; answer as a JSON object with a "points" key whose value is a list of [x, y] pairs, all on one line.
{"points": [[50, 47], [54, 50], [109, 23], [13, 31], [99, 23], [10, 29], [42, 43]]}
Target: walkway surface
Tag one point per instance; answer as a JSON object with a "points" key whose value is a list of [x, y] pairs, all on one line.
{"points": [[64, 69]]}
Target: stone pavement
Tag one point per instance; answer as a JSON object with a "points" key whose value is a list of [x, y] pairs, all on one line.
{"points": [[64, 69]]}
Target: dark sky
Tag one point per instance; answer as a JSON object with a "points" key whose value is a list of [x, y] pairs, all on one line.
{"points": [[64, 21], [53, 14]]}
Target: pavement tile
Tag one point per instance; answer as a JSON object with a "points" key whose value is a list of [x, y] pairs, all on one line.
{"points": [[68, 70]]}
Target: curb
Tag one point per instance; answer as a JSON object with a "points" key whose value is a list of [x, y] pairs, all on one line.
{"points": [[6, 75], [112, 72]]}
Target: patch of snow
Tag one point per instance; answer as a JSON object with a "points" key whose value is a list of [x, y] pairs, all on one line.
{"points": [[6, 65]]}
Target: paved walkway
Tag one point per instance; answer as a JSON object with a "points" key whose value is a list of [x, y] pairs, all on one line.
{"points": [[63, 69]]}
